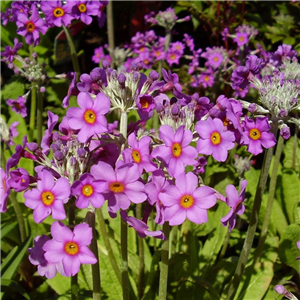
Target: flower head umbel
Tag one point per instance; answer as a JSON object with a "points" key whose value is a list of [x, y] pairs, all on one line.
{"points": [[88, 190], [89, 118], [186, 200], [235, 202], [49, 197], [123, 185], [256, 135], [70, 247], [176, 152], [214, 140]]}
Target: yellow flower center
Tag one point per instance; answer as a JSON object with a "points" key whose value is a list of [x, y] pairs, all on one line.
{"points": [[58, 12], [136, 156], [144, 103], [87, 190], [254, 134], [206, 78], [186, 201], [241, 38], [176, 149], [157, 52], [172, 56], [216, 58], [225, 122], [90, 116], [30, 26], [47, 198], [71, 248], [82, 7], [215, 138], [117, 187]]}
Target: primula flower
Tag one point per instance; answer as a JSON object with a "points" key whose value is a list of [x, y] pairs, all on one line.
{"points": [[72, 90], [19, 106], [56, 14], [89, 118], [139, 153], [4, 191], [69, 247], [19, 179], [9, 53], [31, 27], [49, 197], [235, 202], [173, 57], [206, 79], [241, 38], [88, 190], [214, 140], [83, 10], [145, 104], [123, 185], [186, 200], [37, 257], [256, 135], [176, 153]]}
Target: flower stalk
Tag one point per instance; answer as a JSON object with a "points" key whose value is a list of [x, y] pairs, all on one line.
{"points": [[33, 105]]}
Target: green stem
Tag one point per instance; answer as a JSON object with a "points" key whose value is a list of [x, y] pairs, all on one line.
{"points": [[141, 257], [110, 30], [295, 142], [104, 234], [39, 122], [252, 225], [73, 52], [225, 245], [271, 197], [32, 112], [164, 264], [124, 260], [74, 279], [19, 215], [90, 217]]}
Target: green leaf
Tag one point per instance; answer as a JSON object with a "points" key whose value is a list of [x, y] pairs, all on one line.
{"points": [[289, 153], [5, 283], [288, 251], [11, 263], [7, 227], [60, 284], [289, 40], [278, 218], [12, 89]]}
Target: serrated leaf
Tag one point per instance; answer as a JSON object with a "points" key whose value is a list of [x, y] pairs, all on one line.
{"points": [[288, 251]]}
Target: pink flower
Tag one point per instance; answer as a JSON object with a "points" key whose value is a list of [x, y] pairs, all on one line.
{"points": [[123, 185], [214, 140], [241, 38], [176, 153], [49, 197], [4, 191], [69, 247], [186, 200], [256, 135], [89, 118], [88, 190]]}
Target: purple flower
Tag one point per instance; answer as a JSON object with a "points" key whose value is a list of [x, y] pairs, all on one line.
{"points": [[89, 118], [49, 197], [83, 10], [4, 191], [172, 57], [123, 185], [256, 135], [145, 104], [19, 179], [235, 202], [9, 53], [47, 138], [139, 153], [241, 38], [71, 91], [18, 106], [141, 227], [176, 153], [98, 55], [214, 57], [206, 79], [30, 27], [189, 41], [214, 140], [37, 257], [56, 14], [88, 190], [186, 200], [69, 247]]}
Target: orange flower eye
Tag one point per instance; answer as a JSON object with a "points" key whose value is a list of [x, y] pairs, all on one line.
{"points": [[58, 12], [71, 248], [254, 134], [82, 7], [47, 198], [176, 149], [215, 138], [117, 187], [186, 201], [89, 116]]}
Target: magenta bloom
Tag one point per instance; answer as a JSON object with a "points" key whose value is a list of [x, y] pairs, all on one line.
{"points": [[89, 118], [173, 57], [31, 27], [235, 202], [37, 258], [214, 140], [241, 38], [88, 190], [56, 14], [9, 53], [49, 197], [256, 135], [176, 153], [123, 185], [186, 200], [4, 191], [83, 10], [19, 179], [146, 105], [139, 153], [19, 106], [69, 247]]}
